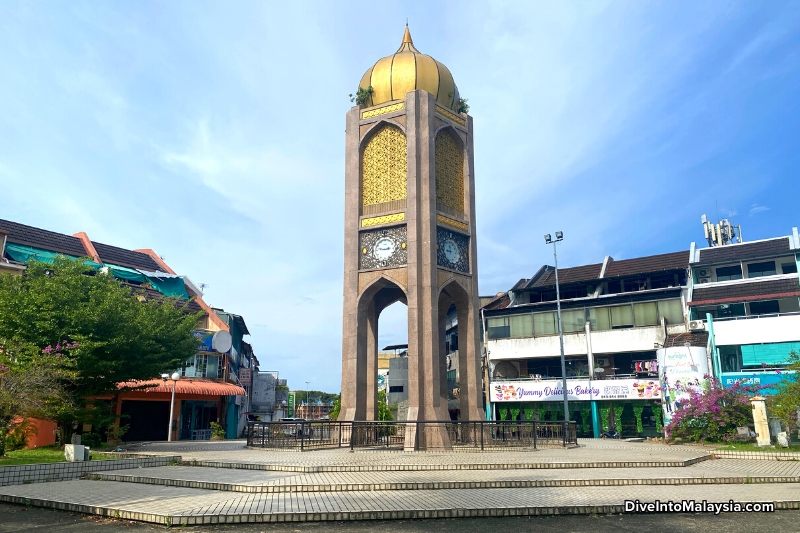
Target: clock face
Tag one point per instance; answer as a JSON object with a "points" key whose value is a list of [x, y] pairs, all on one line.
{"points": [[383, 249], [451, 251]]}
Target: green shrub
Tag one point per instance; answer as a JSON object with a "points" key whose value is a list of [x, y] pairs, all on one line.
{"points": [[217, 431], [92, 440]]}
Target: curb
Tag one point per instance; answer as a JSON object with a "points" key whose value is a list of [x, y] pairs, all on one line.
{"points": [[176, 520], [440, 485], [435, 467]]}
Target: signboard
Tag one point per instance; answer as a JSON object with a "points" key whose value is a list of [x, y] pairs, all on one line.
{"points": [[681, 370], [753, 378], [577, 390], [262, 399], [290, 408], [244, 377], [205, 338]]}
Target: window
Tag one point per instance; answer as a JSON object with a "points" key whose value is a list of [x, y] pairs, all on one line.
{"points": [[572, 321], [789, 268], [730, 310], [633, 285], [395, 388], [729, 273], [621, 317], [730, 358], [661, 282], [213, 366], [600, 319], [757, 270], [521, 325], [701, 312], [497, 328], [614, 287], [672, 310], [770, 307], [544, 324], [509, 326], [646, 314]]}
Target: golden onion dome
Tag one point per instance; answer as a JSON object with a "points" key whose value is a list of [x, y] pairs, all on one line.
{"points": [[408, 70]]}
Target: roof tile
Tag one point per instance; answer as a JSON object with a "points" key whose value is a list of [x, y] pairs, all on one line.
{"points": [[40, 238], [123, 257], [648, 264], [744, 290], [747, 250]]}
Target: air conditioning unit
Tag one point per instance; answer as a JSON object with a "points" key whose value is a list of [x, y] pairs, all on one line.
{"points": [[703, 273], [697, 325], [602, 362], [703, 280]]}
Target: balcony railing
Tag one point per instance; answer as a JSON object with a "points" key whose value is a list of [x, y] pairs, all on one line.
{"points": [[450, 435]]}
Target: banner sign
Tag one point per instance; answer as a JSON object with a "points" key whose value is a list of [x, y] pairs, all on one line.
{"points": [[752, 378], [681, 370], [205, 338], [577, 390], [244, 377], [290, 410]]}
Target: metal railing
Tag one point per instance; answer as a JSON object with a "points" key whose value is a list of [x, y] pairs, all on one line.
{"points": [[201, 434], [411, 436]]}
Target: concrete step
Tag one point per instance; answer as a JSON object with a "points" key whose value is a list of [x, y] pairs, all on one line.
{"points": [[423, 467], [190, 506]]}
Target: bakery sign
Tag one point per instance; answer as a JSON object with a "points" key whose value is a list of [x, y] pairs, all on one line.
{"points": [[577, 390]]}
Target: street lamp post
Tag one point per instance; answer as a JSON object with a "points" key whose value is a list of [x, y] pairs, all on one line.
{"points": [[174, 377], [548, 240], [308, 406]]}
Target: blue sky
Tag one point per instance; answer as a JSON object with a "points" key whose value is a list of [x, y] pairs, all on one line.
{"points": [[213, 132]]}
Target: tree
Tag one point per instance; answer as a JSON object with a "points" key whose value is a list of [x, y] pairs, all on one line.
{"points": [[785, 403], [712, 414], [122, 335], [32, 383], [384, 412]]}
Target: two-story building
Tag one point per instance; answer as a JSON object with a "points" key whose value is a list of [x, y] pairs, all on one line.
{"points": [[208, 390], [747, 297], [615, 315]]}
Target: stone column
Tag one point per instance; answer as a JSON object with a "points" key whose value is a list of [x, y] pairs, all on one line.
{"points": [[760, 420]]}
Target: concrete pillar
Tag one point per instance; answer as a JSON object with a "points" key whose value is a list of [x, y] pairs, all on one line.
{"points": [[760, 420]]}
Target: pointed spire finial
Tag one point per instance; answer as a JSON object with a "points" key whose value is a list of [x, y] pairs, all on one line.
{"points": [[407, 36]]}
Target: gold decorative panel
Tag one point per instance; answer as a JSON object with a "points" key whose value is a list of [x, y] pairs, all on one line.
{"points": [[449, 171], [382, 110], [383, 169], [453, 223], [382, 220], [450, 116]]}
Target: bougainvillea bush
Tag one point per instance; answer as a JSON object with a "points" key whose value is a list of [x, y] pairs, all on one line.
{"points": [[713, 413]]}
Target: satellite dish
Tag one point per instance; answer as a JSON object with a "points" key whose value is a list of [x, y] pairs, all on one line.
{"points": [[221, 341]]}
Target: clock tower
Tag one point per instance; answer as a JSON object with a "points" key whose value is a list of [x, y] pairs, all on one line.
{"points": [[410, 235]]}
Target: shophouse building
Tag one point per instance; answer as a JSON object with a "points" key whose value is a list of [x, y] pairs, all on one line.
{"points": [[615, 316], [746, 296], [209, 388]]}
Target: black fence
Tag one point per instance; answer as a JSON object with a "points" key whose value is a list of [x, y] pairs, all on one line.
{"points": [[411, 436]]}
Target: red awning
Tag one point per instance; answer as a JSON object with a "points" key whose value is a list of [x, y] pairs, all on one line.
{"points": [[188, 386]]}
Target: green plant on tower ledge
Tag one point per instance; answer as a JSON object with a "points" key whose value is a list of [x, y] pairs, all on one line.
{"points": [[362, 96]]}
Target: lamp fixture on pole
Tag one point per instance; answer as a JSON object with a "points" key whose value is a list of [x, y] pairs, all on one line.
{"points": [[174, 377], [549, 240]]}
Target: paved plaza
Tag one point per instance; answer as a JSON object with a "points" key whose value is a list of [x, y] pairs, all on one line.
{"points": [[250, 485]]}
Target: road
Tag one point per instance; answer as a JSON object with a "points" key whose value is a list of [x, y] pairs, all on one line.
{"points": [[16, 519]]}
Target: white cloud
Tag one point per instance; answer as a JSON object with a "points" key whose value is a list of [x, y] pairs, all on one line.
{"points": [[756, 209]]}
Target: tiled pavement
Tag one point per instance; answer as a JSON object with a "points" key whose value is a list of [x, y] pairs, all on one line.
{"points": [[708, 472], [432, 484], [175, 505]]}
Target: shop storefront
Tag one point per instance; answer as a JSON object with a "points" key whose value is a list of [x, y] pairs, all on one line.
{"points": [[631, 405]]}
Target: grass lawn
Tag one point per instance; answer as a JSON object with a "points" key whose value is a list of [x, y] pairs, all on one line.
{"points": [[750, 447], [45, 454]]}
